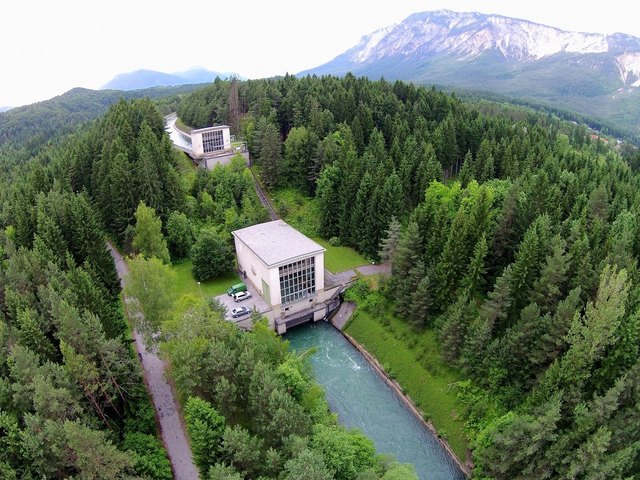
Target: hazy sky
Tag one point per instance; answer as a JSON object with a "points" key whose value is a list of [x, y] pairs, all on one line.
{"points": [[51, 46]]}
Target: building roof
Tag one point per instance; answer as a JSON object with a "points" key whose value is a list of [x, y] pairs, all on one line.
{"points": [[277, 242], [209, 129]]}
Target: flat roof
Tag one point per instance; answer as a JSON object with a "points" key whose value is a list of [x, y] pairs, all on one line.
{"points": [[207, 129], [277, 242]]}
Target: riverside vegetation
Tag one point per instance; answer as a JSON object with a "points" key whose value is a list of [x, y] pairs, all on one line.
{"points": [[513, 238]]}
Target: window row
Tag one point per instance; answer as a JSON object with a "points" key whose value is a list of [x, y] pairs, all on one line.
{"points": [[297, 280], [212, 141]]}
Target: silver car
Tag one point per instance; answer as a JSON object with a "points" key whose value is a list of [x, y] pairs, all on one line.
{"points": [[240, 311], [238, 297]]}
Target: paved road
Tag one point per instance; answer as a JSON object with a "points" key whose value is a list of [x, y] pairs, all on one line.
{"points": [[172, 430], [349, 275]]}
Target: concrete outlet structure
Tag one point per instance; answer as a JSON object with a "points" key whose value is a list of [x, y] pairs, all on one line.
{"points": [[287, 269]]}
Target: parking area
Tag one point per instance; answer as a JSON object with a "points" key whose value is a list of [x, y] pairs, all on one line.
{"points": [[256, 301]]}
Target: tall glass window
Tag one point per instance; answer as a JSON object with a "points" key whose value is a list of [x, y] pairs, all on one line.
{"points": [[297, 280], [212, 141]]}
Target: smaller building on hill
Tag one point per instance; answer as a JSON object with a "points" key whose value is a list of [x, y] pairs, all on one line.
{"points": [[211, 141], [287, 268]]}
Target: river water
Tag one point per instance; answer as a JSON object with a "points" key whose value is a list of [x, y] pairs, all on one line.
{"points": [[363, 400]]}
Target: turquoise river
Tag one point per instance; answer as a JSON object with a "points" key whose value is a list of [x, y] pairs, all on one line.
{"points": [[362, 399]]}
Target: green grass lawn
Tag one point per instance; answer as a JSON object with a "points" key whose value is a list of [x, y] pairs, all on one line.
{"points": [[338, 259], [414, 360], [301, 213], [180, 125], [186, 169], [185, 283]]}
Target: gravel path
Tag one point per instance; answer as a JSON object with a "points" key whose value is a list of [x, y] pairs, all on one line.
{"points": [[172, 429]]}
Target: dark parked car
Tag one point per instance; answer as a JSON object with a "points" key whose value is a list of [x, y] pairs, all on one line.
{"points": [[240, 311]]}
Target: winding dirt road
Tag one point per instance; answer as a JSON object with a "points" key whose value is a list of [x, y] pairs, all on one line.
{"points": [[172, 429]]}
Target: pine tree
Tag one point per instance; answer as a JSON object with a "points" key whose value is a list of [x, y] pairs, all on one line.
{"points": [[550, 285], [467, 172], [148, 238], [389, 244], [475, 276], [512, 446], [328, 201], [428, 170], [589, 337], [407, 256], [458, 318], [421, 303], [390, 204], [270, 156], [148, 180]]}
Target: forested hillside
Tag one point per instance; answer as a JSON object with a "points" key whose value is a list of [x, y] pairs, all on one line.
{"points": [[73, 402], [31, 126], [513, 235]]}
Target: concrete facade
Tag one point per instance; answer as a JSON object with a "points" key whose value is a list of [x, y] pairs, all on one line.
{"points": [[270, 255], [199, 141]]}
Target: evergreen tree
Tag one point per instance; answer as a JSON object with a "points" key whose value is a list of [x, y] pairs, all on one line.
{"points": [[148, 238], [270, 156], [475, 276], [389, 244], [421, 303], [550, 285], [589, 337], [468, 170], [428, 170], [407, 256], [458, 318]]}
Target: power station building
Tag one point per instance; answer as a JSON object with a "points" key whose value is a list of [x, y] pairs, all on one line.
{"points": [[287, 269], [210, 141]]}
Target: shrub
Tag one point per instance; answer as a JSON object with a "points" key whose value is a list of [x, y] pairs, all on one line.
{"points": [[150, 459], [212, 255], [335, 241]]}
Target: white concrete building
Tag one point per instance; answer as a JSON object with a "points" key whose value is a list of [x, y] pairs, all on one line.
{"points": [[287, 268], [210, 141]]}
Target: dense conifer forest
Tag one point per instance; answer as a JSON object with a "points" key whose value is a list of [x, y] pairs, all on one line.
{"points": [[512, 234], [519, 245]]}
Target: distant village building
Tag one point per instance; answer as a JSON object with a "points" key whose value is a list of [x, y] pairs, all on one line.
{"points": [[287, 268]]}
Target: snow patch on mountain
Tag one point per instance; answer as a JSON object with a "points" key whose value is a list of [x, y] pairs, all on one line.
{"points": [[629, 68], [369, 42], [471, 34]]}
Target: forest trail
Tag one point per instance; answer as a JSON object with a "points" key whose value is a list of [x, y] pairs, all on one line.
{"points": [[172, 429], [262, 195]]}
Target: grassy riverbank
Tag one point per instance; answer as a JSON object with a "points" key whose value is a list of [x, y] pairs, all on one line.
{"points": [[414, 360]]}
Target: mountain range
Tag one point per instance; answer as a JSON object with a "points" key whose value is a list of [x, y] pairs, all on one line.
{"points": [[140, 79], [594, 74]]}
